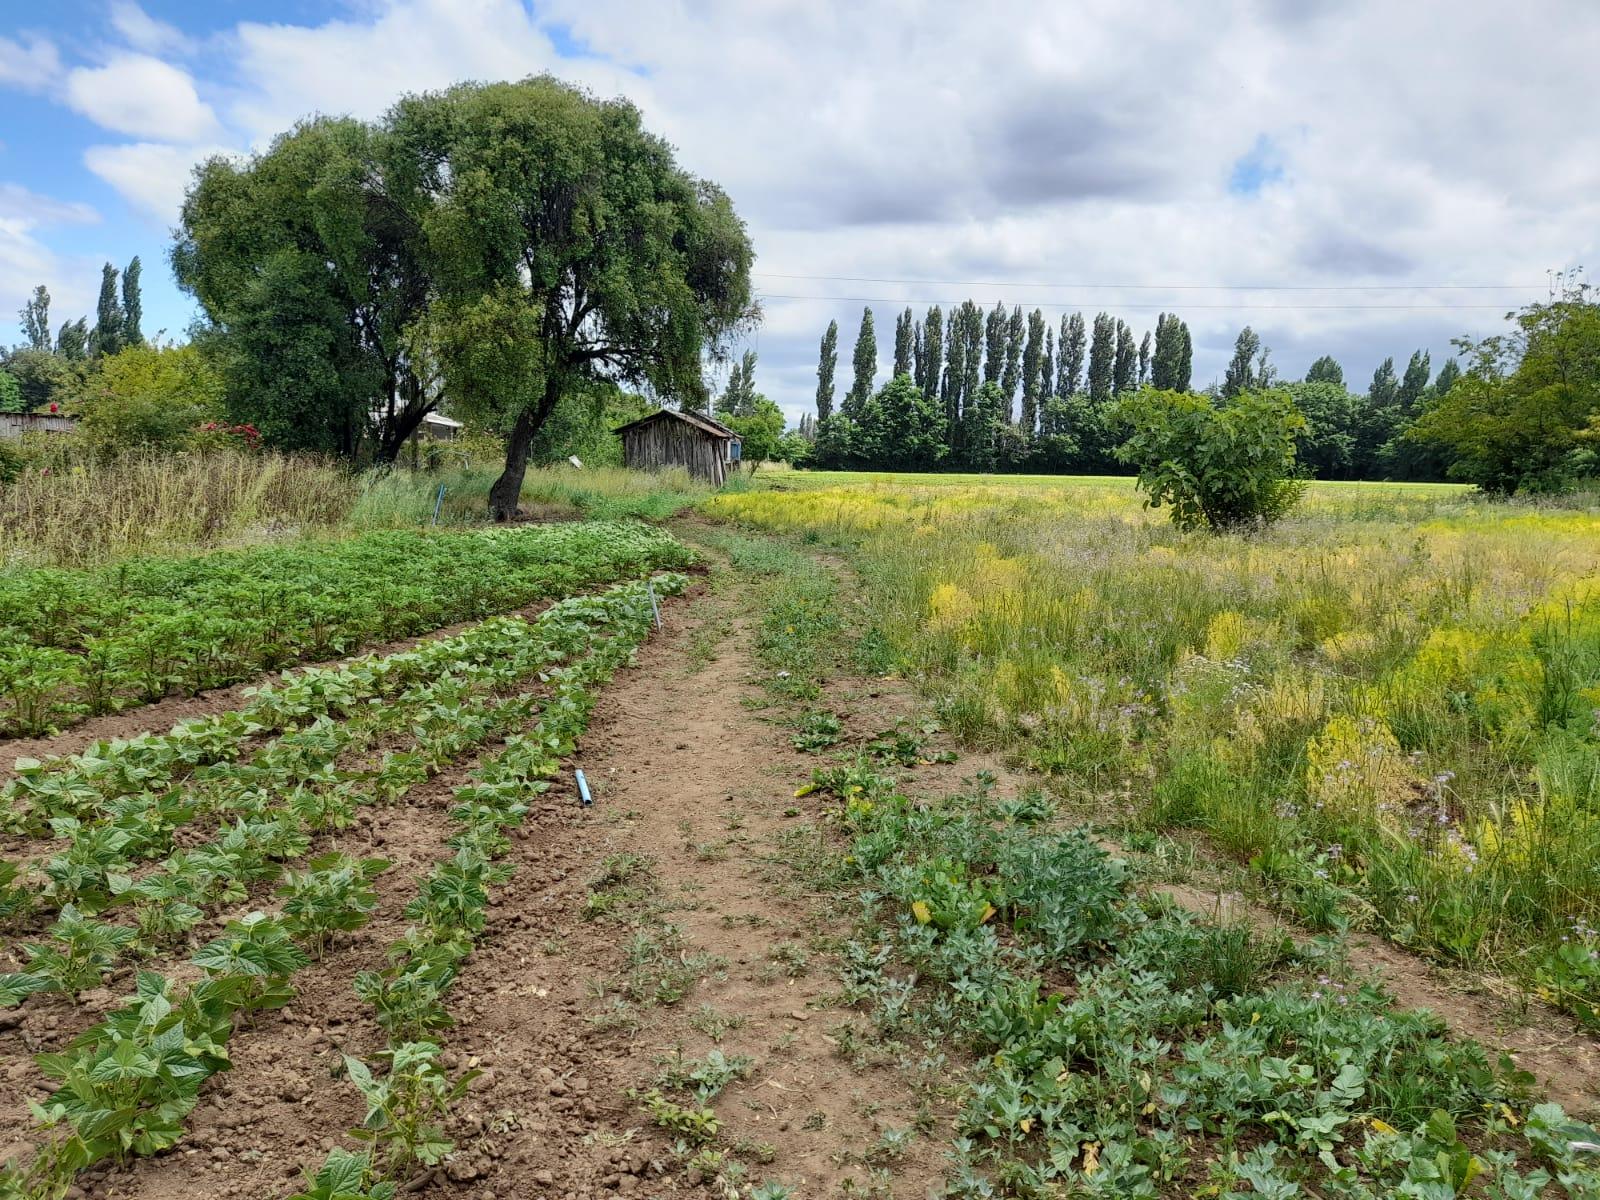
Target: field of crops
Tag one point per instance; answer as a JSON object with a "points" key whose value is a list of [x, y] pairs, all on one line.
{"points": [[77, 643], [1386, 710], [198, 871]]}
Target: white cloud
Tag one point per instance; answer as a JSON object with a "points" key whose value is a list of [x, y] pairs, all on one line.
{"points": [[152, 176], [143, 96], [32, 63], [143, 32], [1091, 143], [25, 260]]}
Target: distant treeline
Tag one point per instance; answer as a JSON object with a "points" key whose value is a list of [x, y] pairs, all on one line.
{"points": [[998, 390]]}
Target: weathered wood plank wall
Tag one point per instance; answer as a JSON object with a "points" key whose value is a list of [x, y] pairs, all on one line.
{"points": [[669, 443]]}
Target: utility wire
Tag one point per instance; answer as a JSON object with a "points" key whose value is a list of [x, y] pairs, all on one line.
{"points": [[1181, 287], [1186, 307]]}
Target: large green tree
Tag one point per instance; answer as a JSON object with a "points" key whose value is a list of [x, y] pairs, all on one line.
{"points": [[132, 304], [1033, 371], [904, 342], [1172, 357], [567, 246], [1102, 359], [1125, 365], [1519, 415], [107, 337], [35, 318], [827, 365], [1070, 352], [308, 263], [865, 363], [1326, 370], [932, 351], [1240, 375]]}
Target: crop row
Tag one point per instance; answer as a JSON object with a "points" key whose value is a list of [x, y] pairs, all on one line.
{"points": [[276, 801], [128, 1084], [1194, 1056], [74, 643]]}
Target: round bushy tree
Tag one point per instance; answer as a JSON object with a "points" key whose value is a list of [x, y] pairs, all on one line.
{"points": [[1224, 466]]}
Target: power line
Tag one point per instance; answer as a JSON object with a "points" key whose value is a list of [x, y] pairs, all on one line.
{"points": [[1181, 287], [1186, 307]]}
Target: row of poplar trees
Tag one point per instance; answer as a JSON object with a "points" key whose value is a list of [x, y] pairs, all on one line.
{"points": [[993, 390]]}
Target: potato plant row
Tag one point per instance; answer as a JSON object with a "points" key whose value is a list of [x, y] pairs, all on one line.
{"points": [[77, 643], [128, 1084], [276, 803]]}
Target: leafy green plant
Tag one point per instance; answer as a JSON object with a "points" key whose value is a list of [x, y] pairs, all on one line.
{"points": [[405, 1106], [697, 1126], [1220, 467], [346, 1176], [127, 1084], [80, 952], [259, 951], [817, 732], [335, 894]]}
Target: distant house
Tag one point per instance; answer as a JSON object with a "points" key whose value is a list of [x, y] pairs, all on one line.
{"points": [[703, 446]]}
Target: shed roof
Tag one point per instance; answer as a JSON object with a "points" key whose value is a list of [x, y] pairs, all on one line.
{"points": [[700, 421]]}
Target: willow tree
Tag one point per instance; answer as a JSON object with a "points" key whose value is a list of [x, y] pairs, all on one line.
{"points": [[308, 267], [568, 247]]}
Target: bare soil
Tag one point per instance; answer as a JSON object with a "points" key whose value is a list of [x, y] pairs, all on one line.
{"points": [[690, 772]]}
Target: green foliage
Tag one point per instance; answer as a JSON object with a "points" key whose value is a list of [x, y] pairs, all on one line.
{"points": [[10, 394], [259, 951], [760, 432], [335, 894], [148, 396], [80, 952], [866, 368], [827, 364], [346, 1176], [511, 183], [1515, 420], [406, 1106], [1220, 468], [109, 336], [307, 261], [76, 641]]}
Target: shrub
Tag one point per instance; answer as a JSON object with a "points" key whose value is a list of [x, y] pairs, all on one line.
{"points": [[1221, 467]]}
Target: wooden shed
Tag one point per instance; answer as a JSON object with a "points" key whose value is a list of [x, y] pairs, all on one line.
{"points": [[669, 438]]}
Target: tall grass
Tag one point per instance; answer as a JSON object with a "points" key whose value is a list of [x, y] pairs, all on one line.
{"points": [[66, 510], [87, 513], [1392, 697]]}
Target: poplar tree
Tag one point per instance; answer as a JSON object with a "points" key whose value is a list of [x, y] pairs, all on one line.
{"points": [[72, 342], [1011, 376], [973, 331], [903, 334], [1185, 359], [955, 367], [932, 351], [107, 335], [1385, 387], [994, 358], [1102, 358], [1047, 379], [1032, 367], [1144, 360], [826, 365], [866, 367], [1070, 350], [919, 358], [1446, 379], [132, 305], [35, 318], [1126, 365], [1240, 375], [1414, 383]]}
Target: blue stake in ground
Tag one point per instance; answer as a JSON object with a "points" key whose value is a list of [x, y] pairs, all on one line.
{"points": [[583, 789]]}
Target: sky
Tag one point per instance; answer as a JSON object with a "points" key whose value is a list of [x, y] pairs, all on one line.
{"points": [[1352, 178]]}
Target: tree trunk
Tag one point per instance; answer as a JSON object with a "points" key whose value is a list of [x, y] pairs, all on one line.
{"points": [[507, 490]]}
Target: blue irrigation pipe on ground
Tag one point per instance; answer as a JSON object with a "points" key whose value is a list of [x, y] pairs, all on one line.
{"points": [[583, 789], [438, 503]]}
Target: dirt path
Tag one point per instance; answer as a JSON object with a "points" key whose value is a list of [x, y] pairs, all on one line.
{"points": [[688, 776]]}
